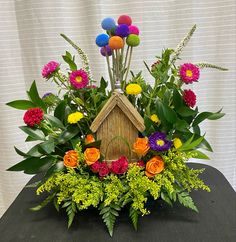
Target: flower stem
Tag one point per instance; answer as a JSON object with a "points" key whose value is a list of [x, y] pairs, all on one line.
{"points": [[128, 66], [110, 73]]}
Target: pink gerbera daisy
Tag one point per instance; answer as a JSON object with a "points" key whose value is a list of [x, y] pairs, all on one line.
{"points": [[49, 68], [189, 73], [189, 98], [79, 79]]}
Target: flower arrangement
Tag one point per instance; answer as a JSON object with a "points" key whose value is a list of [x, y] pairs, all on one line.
{"points": [[76, 172]]}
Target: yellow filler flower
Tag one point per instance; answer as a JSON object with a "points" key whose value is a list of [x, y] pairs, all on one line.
{"points": [[73, 118], [133, 89]]}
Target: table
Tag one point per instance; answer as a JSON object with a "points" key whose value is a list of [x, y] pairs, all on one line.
{"points": [[216, 220]]}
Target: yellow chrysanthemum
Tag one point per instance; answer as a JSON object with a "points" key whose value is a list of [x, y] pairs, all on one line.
{"points": [[155, 119], [177, 143], [133, 89], [73, 118]]}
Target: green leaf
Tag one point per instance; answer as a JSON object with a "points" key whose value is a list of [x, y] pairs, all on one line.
{"points": [[166, 198], [21, 104], [55, 122], [60, 110], [47, 146], [169, 114], [187, 201], [215, 116], [44, 203], [34, 133], [205, 145], [68, 134], [189, 146], [59, 166], [177, 99], [34, 151], [109, 214], [181, 125], [133, 214], [35, 98], [21, 153], [95, 144], [32, 165], [186, 112], [200, 155], [70, 62]]}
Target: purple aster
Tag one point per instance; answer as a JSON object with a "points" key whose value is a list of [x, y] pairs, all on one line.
{"points": [[158, 142]]}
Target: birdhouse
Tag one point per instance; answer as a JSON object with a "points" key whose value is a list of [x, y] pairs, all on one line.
{"points": [[117, 126]]}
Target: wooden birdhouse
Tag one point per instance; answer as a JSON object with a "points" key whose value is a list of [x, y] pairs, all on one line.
{"points": [[117, 126]]}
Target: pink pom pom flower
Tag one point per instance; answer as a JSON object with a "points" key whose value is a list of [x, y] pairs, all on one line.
{"points": [[189, 73], [33, 116], [119, 166], [79, 79], [189, 98], [133, 29], [49, 69]]}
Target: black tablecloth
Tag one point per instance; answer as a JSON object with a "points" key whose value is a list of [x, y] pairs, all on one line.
{"points": [[216, 220]]}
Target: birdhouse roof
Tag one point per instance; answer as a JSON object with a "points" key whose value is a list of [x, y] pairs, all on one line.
{"points": [[127, 108]]}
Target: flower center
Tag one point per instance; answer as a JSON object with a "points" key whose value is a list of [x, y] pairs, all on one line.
{"points": [[160, 142], [78, 79], [189, 73]]}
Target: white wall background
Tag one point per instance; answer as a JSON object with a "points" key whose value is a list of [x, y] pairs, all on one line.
{"points": [[29, 38]]}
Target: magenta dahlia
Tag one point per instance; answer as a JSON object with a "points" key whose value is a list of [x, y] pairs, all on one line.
{"points": [[79, 79], [189, 73], [189, 98], [49, 68], [33, 116]]}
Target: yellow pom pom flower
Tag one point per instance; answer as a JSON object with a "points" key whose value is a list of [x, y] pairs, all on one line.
{"points": [[177, 143], [73, 118], [133, 89], [155, 119]]}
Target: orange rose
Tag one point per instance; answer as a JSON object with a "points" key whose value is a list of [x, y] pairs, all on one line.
{"points": [[154, 166], [89, 139], [141, 146], [91, 155], [71, 159]]}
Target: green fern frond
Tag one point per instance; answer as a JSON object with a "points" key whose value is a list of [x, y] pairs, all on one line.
{"points": [[133, 214], [83, 56], [187, 201], [70, 210], [109, 214], [43, 203], [183, 43], [208, 65]]}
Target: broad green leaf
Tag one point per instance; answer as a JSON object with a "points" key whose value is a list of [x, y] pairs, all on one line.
{"points": [[47, 146], [192, 145], [55, 122], [21, 104], [177, 99], [207, 115], [60, 110], [181, 125], [70, 62], [68, 134], [215, 116], [34, 151], [32, 165], [200, 155], [205, 145], [186, 112], [21, 153], [169, 114], [95, 144], [35, 98], [59, 166], [34, 133]]}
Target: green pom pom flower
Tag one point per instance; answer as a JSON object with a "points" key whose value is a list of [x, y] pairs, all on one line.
{"points": [[133, 40]]}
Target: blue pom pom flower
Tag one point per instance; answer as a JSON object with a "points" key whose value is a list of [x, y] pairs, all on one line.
{"points": [[108, 23], [102, 40]]}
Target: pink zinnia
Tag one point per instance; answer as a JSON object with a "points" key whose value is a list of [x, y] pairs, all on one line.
{"points": [[79, 79], [189, 73], [189, 98], [49, 68], [119, 166], [33, 116]]}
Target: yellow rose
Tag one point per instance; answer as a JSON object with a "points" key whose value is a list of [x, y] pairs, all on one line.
{"points": [[91, 155], [73, 118], [133, 89], [177, 143]]}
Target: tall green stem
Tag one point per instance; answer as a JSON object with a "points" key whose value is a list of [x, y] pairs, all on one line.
{"points": [[128, 66], [110, 73]]}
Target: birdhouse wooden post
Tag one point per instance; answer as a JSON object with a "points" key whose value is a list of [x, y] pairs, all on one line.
{"points": [[117, 126]]}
